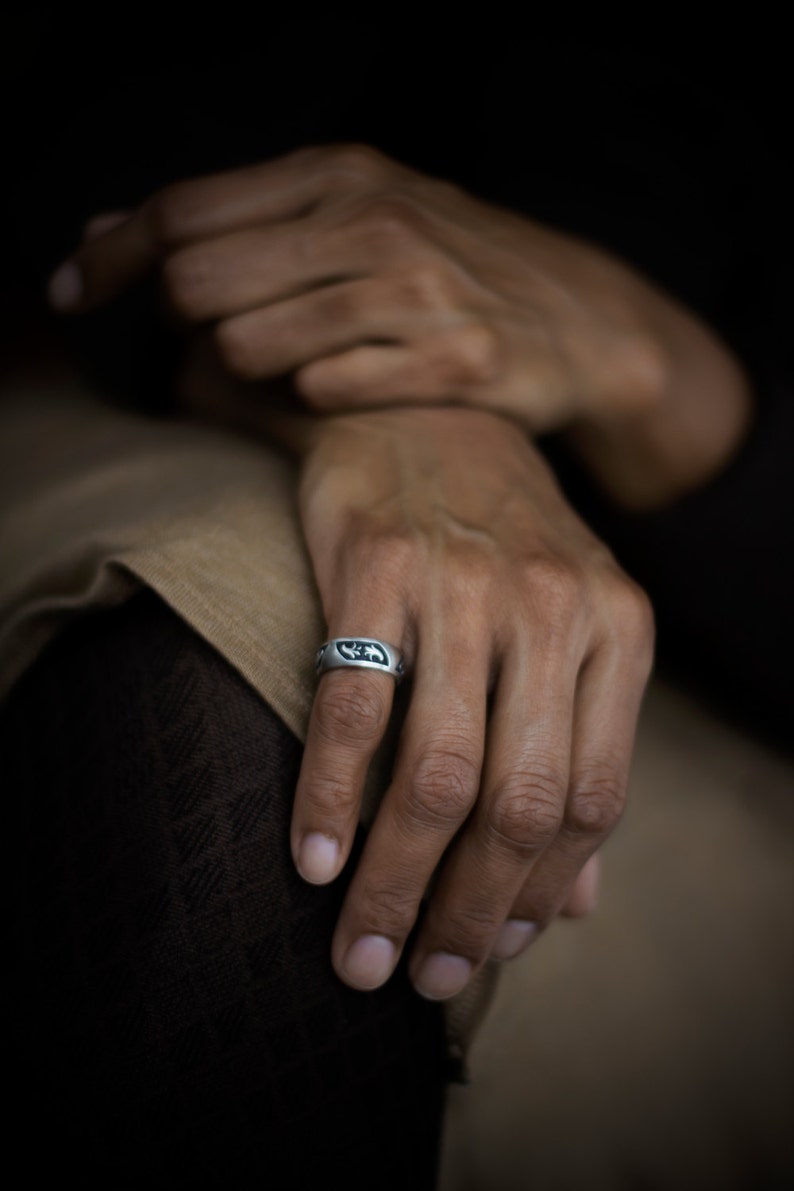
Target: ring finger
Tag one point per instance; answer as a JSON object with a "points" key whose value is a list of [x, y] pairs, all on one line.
{"points": [[435, 784], [348, 721]]}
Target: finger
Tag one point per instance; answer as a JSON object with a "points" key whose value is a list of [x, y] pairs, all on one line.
{"points": [[243, 270], [434, 787], [446, 364], [286, 335], [517, 933], [98, 225], [186, 211], [583, 898], [246, 269], [348, 720], [105, 264], [517, 816], [607, 706]]}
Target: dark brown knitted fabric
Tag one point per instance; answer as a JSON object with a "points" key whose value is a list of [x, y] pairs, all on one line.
{"points": [[174, 1018]]}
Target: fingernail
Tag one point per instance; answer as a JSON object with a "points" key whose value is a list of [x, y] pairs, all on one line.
{"points": [[515, 935], [442, 975], [318, 859], [66, 287], [370, 961]]}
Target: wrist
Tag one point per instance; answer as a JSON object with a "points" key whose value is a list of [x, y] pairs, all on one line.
{"points": [[687, 426]]}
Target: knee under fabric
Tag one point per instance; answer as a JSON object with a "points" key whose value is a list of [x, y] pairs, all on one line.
{"points": [[173, 1018]]}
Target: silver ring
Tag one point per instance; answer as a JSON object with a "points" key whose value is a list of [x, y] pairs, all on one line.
{"points": [[362, 653]]}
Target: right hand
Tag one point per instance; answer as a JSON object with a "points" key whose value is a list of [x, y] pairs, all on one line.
{"points": [[373, 285], [376, 285]]}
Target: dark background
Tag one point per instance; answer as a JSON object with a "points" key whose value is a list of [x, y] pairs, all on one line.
{"points": [[674, 153]]}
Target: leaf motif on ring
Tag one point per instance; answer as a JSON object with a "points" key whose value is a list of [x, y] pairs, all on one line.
{"points": [[359, 651]]}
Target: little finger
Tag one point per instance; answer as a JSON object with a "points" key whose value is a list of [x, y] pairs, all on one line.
{"points": [[607, 705], [516, 818]]}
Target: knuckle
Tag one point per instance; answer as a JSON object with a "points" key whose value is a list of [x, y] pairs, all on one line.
{"points": [[475, 353], [649, 366], [388, 219], [470, 930], [319, 384], [328, 794], [632, 618], [342, 304], [527, 812], [471, 583], [595, 805], [555, 589], [356, 158], [390, 907], [443, 787], [639, 616], [392, 553], [353, 711], [387, 554], [425, 286]]}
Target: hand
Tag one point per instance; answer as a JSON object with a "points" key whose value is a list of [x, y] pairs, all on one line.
{"points": [[528, 649], [376, 285]]}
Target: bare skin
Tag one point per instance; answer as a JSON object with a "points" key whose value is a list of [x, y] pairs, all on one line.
{"points": [[433, 335], [529, 650], [374, 285]]}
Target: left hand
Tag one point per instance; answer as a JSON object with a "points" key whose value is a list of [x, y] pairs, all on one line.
{"points": [[444, 533]]}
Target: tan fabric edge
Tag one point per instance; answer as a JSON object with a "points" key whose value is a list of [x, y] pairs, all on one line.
{"points": [[287, 691], [36, 622], [99, 501]]}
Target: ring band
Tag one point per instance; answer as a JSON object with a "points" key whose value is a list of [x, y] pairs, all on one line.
{"points": [[361, 653]]}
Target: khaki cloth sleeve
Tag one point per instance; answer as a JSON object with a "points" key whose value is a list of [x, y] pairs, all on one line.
{"points": [[97, 501]]}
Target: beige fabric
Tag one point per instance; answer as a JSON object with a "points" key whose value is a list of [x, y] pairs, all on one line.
{"points": [[650, 1047], [96, 501]]}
